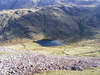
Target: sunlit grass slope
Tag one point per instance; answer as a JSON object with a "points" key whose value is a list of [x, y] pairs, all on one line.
{"points": [[85, 72], [80, 48]]}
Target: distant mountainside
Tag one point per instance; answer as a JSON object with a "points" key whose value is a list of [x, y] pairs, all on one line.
{"points": [[59, 22], [14, 4]]}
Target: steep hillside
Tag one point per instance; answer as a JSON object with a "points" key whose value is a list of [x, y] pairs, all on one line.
{"points": [[14, 4], [60, 22]]}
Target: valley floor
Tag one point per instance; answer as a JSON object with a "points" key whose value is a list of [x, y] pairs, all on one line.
{"points": [[80, 48]]}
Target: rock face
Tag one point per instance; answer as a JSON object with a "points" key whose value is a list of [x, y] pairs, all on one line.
{"points": [[28, 64], [13, 4]]}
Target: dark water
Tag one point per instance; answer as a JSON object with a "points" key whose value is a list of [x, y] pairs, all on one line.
{"points": [[47, 42]]}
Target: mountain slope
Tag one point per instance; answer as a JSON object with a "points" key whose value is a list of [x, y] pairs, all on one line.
{"points": [[60, 22], [14, 4]]}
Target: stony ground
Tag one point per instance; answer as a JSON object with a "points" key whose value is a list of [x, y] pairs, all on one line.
{"points": [[28, 63]]}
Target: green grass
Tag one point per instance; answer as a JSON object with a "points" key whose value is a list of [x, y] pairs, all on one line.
{"points": [[3, 52], [81, 48], [85, 72]]}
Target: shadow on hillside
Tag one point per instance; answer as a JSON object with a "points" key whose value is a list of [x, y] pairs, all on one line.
{"points": [[52, 23]]}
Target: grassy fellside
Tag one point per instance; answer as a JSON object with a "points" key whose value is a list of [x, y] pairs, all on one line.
{"points": [[81, 48]]}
